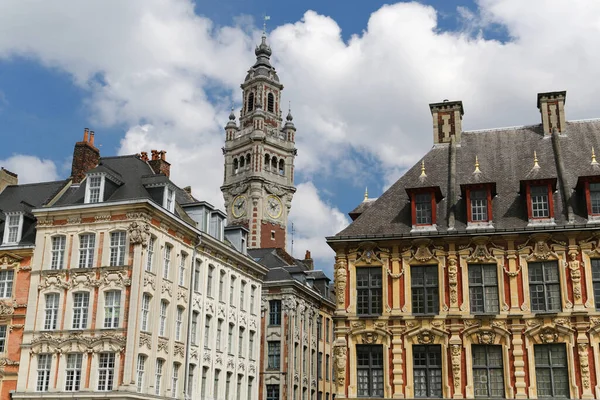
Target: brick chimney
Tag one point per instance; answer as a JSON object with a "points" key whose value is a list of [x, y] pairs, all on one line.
{"points": [[7, 178], [552, 109], [308, 261], [85, 156], [447, 120], [159, 163]]}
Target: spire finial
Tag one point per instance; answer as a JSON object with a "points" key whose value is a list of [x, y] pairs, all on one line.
{"points": [[366, 194], [423, 174], [535, 160], [477, 170], [594, 156], [265, 19]]}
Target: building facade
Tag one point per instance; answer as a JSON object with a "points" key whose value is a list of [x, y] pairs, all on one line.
{"points": [[137, 290], [476, 274]]}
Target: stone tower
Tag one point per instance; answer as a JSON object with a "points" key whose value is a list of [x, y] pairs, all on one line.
{"points": [[258, 185]]}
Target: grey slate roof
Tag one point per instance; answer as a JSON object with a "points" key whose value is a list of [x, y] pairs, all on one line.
{"points": [[506, 157]]}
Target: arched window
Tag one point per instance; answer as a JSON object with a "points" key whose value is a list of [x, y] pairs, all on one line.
{"points": [[250, 102], [281, 167], [235, 166], [267, 162], [274, 164], [242, 162], [248, 163], [270, 102]]}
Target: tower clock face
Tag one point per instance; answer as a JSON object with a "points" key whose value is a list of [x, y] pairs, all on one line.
{"points": [[238, 207], [274, 206]]}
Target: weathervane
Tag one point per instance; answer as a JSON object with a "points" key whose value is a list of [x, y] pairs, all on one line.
{"points": [[266, 18]]}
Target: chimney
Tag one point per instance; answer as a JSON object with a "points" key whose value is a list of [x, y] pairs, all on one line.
{"points": [[159, 163], [85, 156], [308, 261], [188, 190], [447, 120], [552, 109], [7, 178], [144, 156]]}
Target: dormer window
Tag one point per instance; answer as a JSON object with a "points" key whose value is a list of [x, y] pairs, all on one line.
{"points": [[540, 204], [423, 206], [94, 192], [13, 228], [169, 199], [478, 204], [594, 199]]}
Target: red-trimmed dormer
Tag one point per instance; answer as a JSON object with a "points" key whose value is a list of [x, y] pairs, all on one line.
{"points": [[478, 199], [423, 204], [539, 199], [589, 186]]}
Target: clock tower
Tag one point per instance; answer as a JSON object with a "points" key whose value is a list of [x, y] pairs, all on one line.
{"points": [[258, 185]]}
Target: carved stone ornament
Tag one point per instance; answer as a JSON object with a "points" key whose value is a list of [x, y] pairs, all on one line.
{"points": [[481, 254], [84, 280], [218, 359], [548, 335], [369, 338], [584, 364], [425, 337], [275, 189], [230, 363], [7, 362], [182, 294], [56, 280], [453, 281], [575, 275], [238, 189], [163, 345], [116, 279], [339, 359], [77, 342], [289, 305], [252, 369], [455, 350], [423, 252], [149, 281], [486, 337], [139, 233], [9, 260], [368, 252], [145, 340], [194, 354], [206, 357], [167, 287], [340, 285], [179, 350], [6, 308], [541, 248]]}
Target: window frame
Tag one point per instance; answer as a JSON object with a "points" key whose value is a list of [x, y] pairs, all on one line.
{"points": [[470, 189], [167, 261], [88, 188], [483, 285], [73, 373], [158, 373], [3, 338], [374, 300], [426, 289], [86, 253], [57, 253], [428, 368], [140, 369], [8, 226], [589, 200], [106, 371], [413, 193], [179, 322], [274, 312], [371, 351], [145, 307], [112, 310], [595, 265], [163, 314], [273, 355], [7, 280], [552, 367], [51, 311], [80, 316], [150, 254], [545, 283], [169, 198], [118, 249], [43, 372], [550, 199], [488, 368]]}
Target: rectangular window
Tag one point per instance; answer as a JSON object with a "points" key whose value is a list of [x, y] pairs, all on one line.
{"points": [[170, 199], [423, 209], [222, 286], [228, 384], [207, 332], [174, 380], [182, 269], [274, 312], [6, 283], [273, 354], [194, 333], [145, 312], [230, 339], [427, 367], [551, 370], [539, 201], [231, 290], [327, 330], [479, 205], [319, 327], [483, 288], [203, 389], [178, 323], [197, 276], [369, 365], [81, 303], [425, 289], [273, 392], [158, 375], [2, 338], [488, 374], [141, 366], [216, 387], [595, 198], [87, 243], [327, 366], [73, 370], [112, 308], [250, 384], [51, 311], [209, 281], [596, 280], [243, 296], [106, 371], [58, 252], [219, 333], [239, 387], [167, 261], [320, 366], [190, 382], [13, 223], [241, 342], [544, 286], [44, 361], [369, 291], [117, 249], [149, 260], [251, 346], [252, 296], [95, 185], [163, 318]]}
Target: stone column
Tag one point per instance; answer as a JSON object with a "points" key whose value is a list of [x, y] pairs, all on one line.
{"points": [[397, 361], [519, 359]]}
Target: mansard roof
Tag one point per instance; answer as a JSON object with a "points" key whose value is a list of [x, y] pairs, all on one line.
{"points": [[506, 158]]}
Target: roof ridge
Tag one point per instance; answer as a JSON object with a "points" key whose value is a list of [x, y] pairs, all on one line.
{"points": [[37, 183], [123, 156], [506, 128]]}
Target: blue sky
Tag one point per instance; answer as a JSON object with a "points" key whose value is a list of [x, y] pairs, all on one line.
{"points": [[162, 74]]}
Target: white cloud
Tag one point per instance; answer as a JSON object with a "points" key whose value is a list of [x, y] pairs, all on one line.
{"points": [[30, 168]]}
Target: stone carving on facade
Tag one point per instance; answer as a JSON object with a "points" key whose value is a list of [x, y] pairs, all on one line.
{"points": [[138, 233], [339, 356], [305, 381], [77, 341], [548, 335], [253, 323], [296, 378], [595, 321], [584, 364], [83, 280], [102, 218], [533, 322], [243, 320], [230, 363], [313, 383], [9, 260], [15, 327], [340, 278], [486, 337], [472, 322], [138, 215], [7, 362], [369, 252], [575, 275], [271, 188], [562, 322], [74, 220], [369, 338], [241, 366], [541, 248], [163, 345], [44, 222], [206, 357], [149, 281], [425, 337], [197, 301], [54, 280], [297, 335], [455, 350], [219, 359], [6, 308], [182, 294], [221, 311], [238, 189], [289, 305], [194, 353], [145, 340], [167, 287], [453, 281], [232, 315], [423, 252], [115, 279], [481, 254], [179, 350], [264, 304], [252, 369]]}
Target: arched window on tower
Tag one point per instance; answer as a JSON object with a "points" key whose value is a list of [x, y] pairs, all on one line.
{"points": [[235, 166], [267, 162], [250, 102], [274, 164], [248, 163], [242, 162], [281, 167], [270, 102]]}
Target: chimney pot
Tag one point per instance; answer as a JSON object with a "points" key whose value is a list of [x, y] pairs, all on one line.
{"points": [[552, 109], [307, 255], [163, 155], [91, 138], [447, 120], [144, 156], [154, 154], [85, 134]]}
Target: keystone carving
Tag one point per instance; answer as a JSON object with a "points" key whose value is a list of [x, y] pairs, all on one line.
{"points": [[486, 337], [425, 337], [548, 335], [139, 233], [145, 340]]}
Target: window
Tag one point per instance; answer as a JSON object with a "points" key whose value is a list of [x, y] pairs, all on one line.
{"points": [[190, 382], [239, 387], [424, 286], [427, 366], [58, 252], [243, 296], [540, 207], [270, 102], [167, 261], [174, 380], [6, 283], [274, 312], [44, 361], [87, 242], [241, 342], [169, 200], [273, 354], [203, 390], [182, 269], [250, 102], [51, 311], [178, 323], [145, 311], [230, 339], [219, 333], [81, 303], [117, 249], [478, 200], [158, 375], [596, 280], [488, 374], [368, 288], [197, 276], [369, 360], [273, 392], [250, 384], [163, 317], [216, 387], [106, 371], [483, 288], [209, 282], [231, 290], [222, 286], [195, 315], [141, 366], [551, 370], [319, 327], [228, 384], [112, 308], [151, 244], [251, 346], [207, 331], [12, 231], [320, 365], [423, 209], [94, 189], [327, 366], [594, 200], [252, 296], [73, 381], [327, 330], [2, 338], [544, 286]]}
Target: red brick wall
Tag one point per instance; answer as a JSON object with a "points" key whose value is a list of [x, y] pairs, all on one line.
{"points": [[85, 158], [266, 240]]}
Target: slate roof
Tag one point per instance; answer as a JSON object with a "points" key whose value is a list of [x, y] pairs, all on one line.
{"points": [[506, 157]]}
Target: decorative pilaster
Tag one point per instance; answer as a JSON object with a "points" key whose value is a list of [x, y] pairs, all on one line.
{"points": [[397, 361], [519, 359], [453, 283], [341, 276], [574, 267], [340, 352]]}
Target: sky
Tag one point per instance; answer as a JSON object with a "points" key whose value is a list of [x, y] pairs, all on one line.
{"points": [[359, 75]]}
